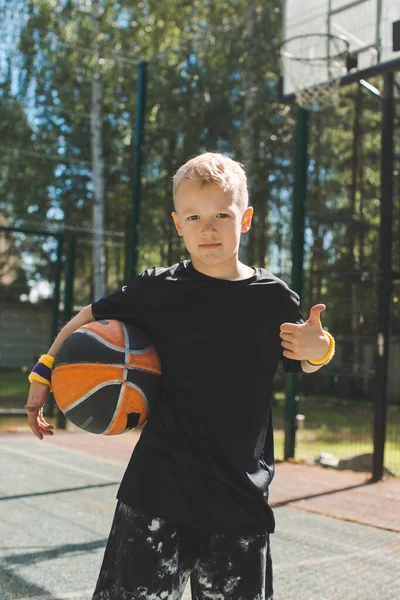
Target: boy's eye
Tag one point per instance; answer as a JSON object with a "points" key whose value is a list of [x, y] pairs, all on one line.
{"points": [[219, 215]]}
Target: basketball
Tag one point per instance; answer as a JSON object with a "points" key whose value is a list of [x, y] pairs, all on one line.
{"points": [[106, 376]]}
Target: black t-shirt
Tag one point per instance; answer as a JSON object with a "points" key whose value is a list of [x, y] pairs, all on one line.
{"points": [[205, 456]]}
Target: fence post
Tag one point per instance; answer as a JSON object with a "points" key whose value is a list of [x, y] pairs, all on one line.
{"points": [[68, 300], [385, 277], [134, 228], [300, 192], [56, 308]]}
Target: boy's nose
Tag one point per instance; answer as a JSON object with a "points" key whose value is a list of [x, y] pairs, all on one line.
{"points": [[210, 226]]}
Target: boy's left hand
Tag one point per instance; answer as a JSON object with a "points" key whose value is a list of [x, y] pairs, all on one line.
{"points": [[307, 340]]}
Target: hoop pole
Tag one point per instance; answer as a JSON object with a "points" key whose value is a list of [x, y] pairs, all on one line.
{"points": [[300, 192], [385, 277]]}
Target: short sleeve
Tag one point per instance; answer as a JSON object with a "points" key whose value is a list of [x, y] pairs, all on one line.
{"points": [[123, 305], [291, 314]]}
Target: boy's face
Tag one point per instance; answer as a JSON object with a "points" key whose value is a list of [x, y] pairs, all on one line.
{"points": [[210, 221]]}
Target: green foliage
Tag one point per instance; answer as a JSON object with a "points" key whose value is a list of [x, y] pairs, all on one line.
{"points": [[213, 73]]}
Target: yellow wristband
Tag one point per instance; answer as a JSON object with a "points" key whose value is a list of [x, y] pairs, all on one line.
{"points": [[328, 355], [47, 360], [36, 377]]}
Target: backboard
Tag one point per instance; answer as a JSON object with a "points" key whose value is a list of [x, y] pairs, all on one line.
{"points": [[369, 26]]}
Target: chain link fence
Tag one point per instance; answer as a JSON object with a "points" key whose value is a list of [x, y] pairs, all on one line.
{"points": [[336, 406]]}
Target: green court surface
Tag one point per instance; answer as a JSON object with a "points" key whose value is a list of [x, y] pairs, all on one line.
{"points": [[57, 502]]}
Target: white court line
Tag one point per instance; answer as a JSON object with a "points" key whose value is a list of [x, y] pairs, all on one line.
{"points": [[44, 459], [62, 597]]}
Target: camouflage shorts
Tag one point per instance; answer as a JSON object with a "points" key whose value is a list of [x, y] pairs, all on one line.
{"points": [[146, 558]]}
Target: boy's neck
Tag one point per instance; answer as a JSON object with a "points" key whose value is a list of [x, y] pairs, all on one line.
{"points": [[231, 272]]}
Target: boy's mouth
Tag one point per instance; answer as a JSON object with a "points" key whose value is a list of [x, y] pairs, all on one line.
{"points": [[208, 246]]}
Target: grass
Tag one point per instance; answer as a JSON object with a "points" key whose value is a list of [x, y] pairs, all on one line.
{"points": [[342, 427], [14, 384]]}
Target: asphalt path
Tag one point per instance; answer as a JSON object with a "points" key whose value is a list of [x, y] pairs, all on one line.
{"points": [[56, 508]]}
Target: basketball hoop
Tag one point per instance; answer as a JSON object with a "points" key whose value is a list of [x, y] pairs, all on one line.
{"points": [[310, 59]]}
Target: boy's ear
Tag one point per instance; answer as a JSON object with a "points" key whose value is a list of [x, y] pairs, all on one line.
{"points": [[246, 219], [177, 224]]}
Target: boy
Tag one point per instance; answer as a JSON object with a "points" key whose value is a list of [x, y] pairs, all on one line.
{"points": [[193, 500]]}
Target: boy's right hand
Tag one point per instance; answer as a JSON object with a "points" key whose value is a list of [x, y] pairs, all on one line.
{"points": [[38, 394]]}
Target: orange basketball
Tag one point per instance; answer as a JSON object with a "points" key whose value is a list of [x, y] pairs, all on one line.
{"points": [[106, 376]]}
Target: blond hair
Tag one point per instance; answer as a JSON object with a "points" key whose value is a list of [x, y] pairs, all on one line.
{"points": [[212, 167]]}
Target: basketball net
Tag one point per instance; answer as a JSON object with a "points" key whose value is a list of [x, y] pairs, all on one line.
{"points": [[308, 60]]}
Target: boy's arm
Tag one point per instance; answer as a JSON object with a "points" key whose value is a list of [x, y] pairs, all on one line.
{"points": [[306, 341], [307, 368], [39, 392], [82, 318]]}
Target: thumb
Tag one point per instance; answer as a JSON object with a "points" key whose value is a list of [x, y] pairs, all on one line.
{"points": [[315, 312]]}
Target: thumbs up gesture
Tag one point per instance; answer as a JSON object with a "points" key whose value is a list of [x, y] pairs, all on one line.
{"points": [[307, 340]]}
